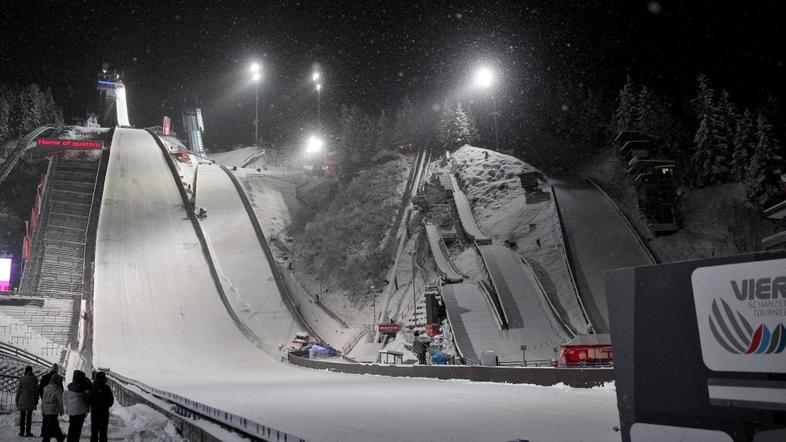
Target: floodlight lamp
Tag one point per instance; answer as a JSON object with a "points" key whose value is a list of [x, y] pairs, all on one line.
{"points": [[484, 78]]}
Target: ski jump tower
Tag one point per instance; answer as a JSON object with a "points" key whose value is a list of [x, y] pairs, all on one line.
{"points": [[192, 123], [112, 98]]}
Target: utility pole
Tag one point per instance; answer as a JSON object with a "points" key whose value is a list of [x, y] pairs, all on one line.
{"points": [[496, 129], [256, 118], [414, 296]]}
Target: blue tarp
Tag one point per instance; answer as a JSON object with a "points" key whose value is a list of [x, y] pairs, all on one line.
{"points": [[437, 357]]}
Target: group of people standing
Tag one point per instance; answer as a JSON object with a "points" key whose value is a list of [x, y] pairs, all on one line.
{"points": [[81, 397]]}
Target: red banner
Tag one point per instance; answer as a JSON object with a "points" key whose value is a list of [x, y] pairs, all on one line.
{"points": [[390, 328], [70, 144]]}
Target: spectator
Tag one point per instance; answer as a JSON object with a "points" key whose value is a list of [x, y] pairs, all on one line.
{"points": [[419, 347], [77, 404], [52, 408], [44, 382], [26, 401], [101, 399]]}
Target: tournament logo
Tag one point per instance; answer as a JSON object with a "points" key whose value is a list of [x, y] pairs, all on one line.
{"points": [[735, 334], [741, 315]]}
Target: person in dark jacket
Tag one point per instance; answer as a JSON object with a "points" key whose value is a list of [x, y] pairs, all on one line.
{"points": [[26, 401], [101, 399], [44, 382], [419, 347], [52, 408], [77, 404]]}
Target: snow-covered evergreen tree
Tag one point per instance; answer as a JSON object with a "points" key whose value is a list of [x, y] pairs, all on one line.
{"points": [[763, 184], [727, 121], [456, 127], [744, 144], [624, 116], [6, 109], [52, 113], [29, 110], [709, 160], [647, 112]]}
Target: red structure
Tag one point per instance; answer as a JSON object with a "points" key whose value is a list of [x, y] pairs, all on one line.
{"points": [[586, 350]]}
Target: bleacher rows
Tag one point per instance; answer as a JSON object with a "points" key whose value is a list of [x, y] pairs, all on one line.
{"points": [[56, 321]]}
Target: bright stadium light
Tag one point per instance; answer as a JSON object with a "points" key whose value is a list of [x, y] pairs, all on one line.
{"points": [[315, 76], [255, 76], [319, 87], [314, 144], [484, 78], [254, 68]]}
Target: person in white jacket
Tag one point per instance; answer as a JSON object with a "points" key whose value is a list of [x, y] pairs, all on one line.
{"points": [[52, 407], [77, 404]]}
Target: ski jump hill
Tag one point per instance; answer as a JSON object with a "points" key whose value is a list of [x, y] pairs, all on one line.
{"points": [[507, 309], [599, 239], [159, 318]]}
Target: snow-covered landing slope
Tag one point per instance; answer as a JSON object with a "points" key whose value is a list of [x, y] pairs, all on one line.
{"points": [[159, 319], [599, 240], [241, 261], [158, 316]]}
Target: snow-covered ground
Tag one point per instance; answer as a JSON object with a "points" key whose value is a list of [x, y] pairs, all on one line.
{"points": [[158, 318], [135, 423], [234, 157]]}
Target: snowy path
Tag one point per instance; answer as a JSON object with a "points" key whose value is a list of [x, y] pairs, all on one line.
{"points": [[248, 278], [598, 241], [158, 318]]}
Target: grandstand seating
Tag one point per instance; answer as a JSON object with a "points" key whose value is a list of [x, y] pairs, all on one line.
{"points": [[57, 267]]}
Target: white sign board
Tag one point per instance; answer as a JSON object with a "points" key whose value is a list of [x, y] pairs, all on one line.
{"points": [[741, 313]]}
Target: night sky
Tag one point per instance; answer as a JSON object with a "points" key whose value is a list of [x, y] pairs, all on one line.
{"points": [[374, 53]]}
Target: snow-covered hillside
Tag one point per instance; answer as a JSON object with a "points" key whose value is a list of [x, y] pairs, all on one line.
{"points": [[502, 210]]}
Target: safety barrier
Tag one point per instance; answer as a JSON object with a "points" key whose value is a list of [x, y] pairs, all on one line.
{"points": [[574, 377], [193, 409], [19, 150], [19, 354]]}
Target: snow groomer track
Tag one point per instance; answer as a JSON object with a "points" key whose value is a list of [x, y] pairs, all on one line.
{"points": [[159, 320]]}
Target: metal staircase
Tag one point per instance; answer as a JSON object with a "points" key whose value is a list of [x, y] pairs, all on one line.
{"points": [[58, 264]]}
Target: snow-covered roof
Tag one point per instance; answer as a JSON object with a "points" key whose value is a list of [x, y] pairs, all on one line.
{"points": [[595, 339]]}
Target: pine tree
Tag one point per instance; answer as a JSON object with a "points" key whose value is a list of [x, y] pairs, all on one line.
{"points": [[625, 115], [647, 112], [764, 184], [6, 110], [29, 109], [467, 129], [727, 120], [52, 114], [744, 144], [446, 126], [709, 161]]}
